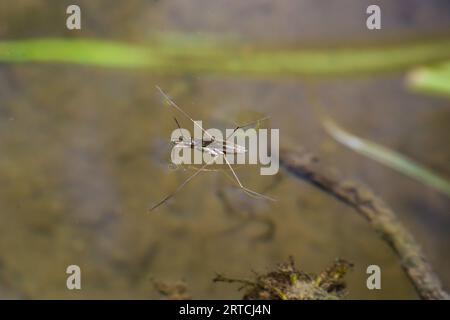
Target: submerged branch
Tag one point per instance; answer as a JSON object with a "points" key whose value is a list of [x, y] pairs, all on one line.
{"points": [[379, 215]]}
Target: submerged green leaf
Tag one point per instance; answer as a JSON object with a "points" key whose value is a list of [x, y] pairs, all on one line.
{"points": [[90, 52], [435, 80], [387, 157], [186, 53]]}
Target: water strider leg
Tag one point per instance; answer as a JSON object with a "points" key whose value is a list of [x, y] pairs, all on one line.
{"points": [[180, 187], [249, 192], [245, 125]]}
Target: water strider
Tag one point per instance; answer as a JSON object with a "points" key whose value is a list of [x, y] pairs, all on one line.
{"points": [[212, 146]]}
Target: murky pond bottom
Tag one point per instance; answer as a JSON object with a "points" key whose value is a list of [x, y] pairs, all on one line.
{"points": [[83, 160]]}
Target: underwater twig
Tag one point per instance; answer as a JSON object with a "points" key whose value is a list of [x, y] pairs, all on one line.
{"points": [[381, 217]]}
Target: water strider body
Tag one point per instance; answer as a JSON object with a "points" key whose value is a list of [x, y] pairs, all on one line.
{"points": [[212, 147]]}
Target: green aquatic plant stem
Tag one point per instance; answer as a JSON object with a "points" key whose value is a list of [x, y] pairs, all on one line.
{"points": [[434, 79], [184, 53], [385, 156]]}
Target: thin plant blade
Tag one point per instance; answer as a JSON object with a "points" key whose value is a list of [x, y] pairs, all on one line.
{"points": [[434, 80], [387, 157], [168, 54]]}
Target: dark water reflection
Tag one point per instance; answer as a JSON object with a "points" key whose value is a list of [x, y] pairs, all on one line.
{"points": [[81, 158]]}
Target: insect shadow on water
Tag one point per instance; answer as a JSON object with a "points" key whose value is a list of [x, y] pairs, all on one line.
{"points": [[248, 215], [214, 147]]}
